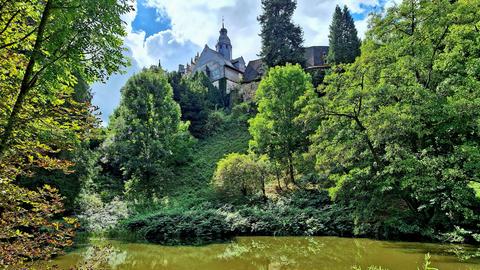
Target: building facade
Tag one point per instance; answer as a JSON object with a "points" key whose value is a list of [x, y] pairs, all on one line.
{"points": [[218, 65], [233, 74]]}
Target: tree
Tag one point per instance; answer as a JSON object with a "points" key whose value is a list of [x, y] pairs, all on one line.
{"points": [[49, 52], [281, 39], [28, 229], [197, 97], [147, 136], [69, 181], [343, 39], [44, 45], [399, 131], [276, 129], [241, 174]]}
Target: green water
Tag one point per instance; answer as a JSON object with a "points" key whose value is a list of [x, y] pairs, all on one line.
{"points": [[278, 253]]}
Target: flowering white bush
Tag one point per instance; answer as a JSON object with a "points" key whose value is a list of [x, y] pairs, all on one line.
{"points": [[97, 216]]}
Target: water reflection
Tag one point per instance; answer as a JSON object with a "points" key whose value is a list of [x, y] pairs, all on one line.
{"points": [[281, 253]]}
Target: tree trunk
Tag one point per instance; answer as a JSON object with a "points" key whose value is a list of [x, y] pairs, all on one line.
{"points": [[264, 194], [27, 82], [291, 172], [279, 183], [369, 142]]}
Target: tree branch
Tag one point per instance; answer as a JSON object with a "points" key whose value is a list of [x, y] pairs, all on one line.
{"points": [[17, 41], [435, 49], [25, 85], [9, 22]]}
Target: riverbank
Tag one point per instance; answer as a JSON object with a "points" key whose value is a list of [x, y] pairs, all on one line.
{"points": [[194, 213]]}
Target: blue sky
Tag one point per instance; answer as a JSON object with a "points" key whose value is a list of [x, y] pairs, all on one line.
{"points": [[150, 19], [173, 31]]}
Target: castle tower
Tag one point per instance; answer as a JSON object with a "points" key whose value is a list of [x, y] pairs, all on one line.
{"points": [[224, 46]]}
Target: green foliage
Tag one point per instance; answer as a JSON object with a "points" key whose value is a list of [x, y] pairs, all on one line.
{"points": [[99, 217], [214, 221], [197, 98], [318, 75], [216, 121], [46, 48], [344, 44], [198, 173], [276, 129], [399, 132], [49, 52], [28, 229], [427, 264], [241, 174], [191, 227], [281, 39], [242, 112], [193, 179], [147, 137], [69, 183]]}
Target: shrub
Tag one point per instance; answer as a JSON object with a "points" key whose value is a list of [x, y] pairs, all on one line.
{"points": [[240, 174], [99, 217], [29, 225], [242, 112], [209, 222], [215, 122], [190, 227], [303, 198]]}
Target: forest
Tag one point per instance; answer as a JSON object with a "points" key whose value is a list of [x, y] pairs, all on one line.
{"points": [[383, 144]]}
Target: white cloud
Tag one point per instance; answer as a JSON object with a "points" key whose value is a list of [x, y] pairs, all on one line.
{"points": [[199, 21], [315, 16]]}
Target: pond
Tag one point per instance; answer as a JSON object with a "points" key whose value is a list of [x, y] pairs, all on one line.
{"points": [[278, 253]]}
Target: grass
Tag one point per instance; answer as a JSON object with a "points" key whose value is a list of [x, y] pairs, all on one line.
{"points": [[192, 180], [233, 138]]}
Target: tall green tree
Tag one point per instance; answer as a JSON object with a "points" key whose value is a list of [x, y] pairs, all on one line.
{"points": [[400, 133], [344, 44], [50, 50], [197, 97], [44, 47], [282, 40], [147, 136], [276, 129]]}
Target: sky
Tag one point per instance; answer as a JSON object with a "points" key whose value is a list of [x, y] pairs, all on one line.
{"points": [[173, 31]]}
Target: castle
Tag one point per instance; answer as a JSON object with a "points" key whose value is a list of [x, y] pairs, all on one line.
{"points": [[232, 74]]}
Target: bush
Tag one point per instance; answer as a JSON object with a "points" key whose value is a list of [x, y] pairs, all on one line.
{"points": [[303, 198], [215, 122], [240, 174], [208, 222], [191, 227], [99, 217], [242, 112]]}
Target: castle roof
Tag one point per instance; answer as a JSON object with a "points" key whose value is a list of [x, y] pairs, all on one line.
{"points": [[315, 57], [209, 55], [254, 71]]}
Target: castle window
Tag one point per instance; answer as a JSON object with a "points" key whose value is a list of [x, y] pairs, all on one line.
{"points": [[207, 71]]}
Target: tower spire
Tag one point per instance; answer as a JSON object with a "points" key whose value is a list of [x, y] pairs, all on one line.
{"points": [[224, 46]]}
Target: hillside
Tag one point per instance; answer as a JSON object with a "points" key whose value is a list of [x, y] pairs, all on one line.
{"points": [[192, 181]]}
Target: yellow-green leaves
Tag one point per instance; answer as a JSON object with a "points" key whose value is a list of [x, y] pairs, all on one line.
{"points": [[277, 129]]}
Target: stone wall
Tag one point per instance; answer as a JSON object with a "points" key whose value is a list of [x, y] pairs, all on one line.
{"points": [[247, 91]]}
